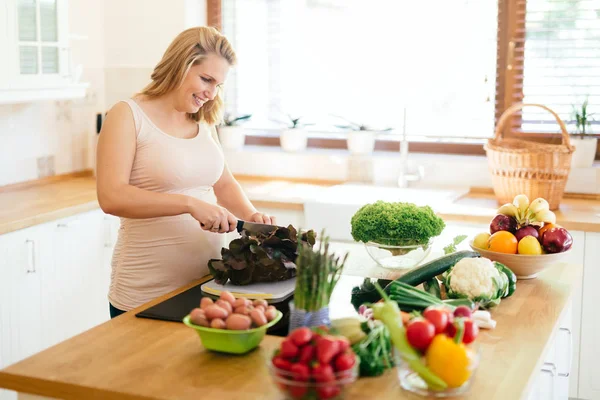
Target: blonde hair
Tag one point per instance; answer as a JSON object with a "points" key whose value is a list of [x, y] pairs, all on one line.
{"points": [[189, 48]]}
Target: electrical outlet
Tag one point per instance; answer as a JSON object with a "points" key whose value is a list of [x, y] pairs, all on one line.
{"points": [[41, 167], [50, 166], [45, 166]]}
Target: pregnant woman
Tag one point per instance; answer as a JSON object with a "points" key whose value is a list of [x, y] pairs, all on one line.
{"points": [[161, 169]]}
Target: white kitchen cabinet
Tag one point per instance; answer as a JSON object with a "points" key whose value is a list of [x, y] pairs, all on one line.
{"points": [[35, 41], [589, 373]]}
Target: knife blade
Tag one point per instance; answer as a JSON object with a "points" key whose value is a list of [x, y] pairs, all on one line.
{"points": [[255, 227]]}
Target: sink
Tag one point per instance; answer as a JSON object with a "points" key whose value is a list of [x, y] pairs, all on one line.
{"points": [[335, 206]]}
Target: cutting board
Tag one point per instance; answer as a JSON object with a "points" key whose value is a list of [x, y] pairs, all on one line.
{"points": [[272, 291]]}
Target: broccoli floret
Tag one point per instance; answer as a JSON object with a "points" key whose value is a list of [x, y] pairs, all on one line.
{"points": [[395, 223]]}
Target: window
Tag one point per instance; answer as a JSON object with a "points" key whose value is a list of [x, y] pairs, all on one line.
{"points": [[38, 37], [555, 50], [452, 65]]}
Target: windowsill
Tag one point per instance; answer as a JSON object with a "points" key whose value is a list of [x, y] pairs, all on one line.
{"points": [[382, 168]]}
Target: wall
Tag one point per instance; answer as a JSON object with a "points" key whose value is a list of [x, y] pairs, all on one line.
{"points": [[117, 43]]}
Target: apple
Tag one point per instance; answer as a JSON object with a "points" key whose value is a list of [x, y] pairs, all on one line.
{"points": [[528, 230], [557, 240], [503, 223]]}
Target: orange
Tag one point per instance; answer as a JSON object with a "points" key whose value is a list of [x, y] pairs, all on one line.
{"points": [[503, 242], [545, 228]]}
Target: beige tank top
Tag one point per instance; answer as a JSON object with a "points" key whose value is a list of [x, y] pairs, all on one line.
{"points": [[154, 256]]}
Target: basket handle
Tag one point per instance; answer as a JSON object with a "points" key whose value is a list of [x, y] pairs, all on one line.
{"points": [[518, 106]]}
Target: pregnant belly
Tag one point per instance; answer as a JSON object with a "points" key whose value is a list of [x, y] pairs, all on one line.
{"points": [[162, 254]]}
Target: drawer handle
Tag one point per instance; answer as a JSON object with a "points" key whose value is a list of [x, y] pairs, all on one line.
{"points": [[570, 358], [551, 370], [31, 244]]}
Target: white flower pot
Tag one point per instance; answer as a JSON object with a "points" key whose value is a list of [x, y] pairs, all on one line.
{"points": [[293, 140], [585, 152], [361, 142], [232, 137]]}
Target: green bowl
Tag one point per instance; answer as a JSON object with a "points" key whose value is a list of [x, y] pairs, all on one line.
{"points": [[230, 341]]}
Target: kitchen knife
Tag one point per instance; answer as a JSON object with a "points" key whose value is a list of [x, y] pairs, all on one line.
{"points": [[255, 227]]}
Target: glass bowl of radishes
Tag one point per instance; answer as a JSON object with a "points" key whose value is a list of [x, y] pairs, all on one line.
{"points": [[310, 363]]}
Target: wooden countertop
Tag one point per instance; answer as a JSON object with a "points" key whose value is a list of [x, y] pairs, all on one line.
{"points": [[133, 358], [25, 205]]}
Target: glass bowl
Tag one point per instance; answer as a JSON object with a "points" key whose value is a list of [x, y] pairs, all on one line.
{"points": [[412, 382], [291, 388], [398, 256]]}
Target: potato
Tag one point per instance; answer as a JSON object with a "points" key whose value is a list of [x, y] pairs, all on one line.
{"points": [[197, 317], [239, 302], [238, 322], [260, 307], [258, 317], [271, 313], [215, 311], [225, 304], [228, 297], [242, 310], [205, 302], [260, 302], [218, 323]]}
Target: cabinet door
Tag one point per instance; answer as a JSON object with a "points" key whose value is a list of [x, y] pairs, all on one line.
{"points": [[589, 373], [4, 314], [4, 47], [22, 302], [73, 285]]}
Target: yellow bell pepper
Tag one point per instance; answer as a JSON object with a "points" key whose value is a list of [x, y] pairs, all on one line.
{"points": [[449, 360]]}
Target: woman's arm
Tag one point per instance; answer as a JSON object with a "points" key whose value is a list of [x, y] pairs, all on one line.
{"points": [[115, 154]]}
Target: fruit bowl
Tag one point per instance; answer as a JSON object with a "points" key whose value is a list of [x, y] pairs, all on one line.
{"points": [[398, 256], [523, 265], [292, 388], [231, 341]]}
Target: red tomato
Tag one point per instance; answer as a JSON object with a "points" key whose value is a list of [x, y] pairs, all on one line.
{"points": [[307, 353], [323, 373], [438, 317], [345, 361], [328, 392], [288, 349], [301, 336], [420, 333], [470, 333], [300, 372]]}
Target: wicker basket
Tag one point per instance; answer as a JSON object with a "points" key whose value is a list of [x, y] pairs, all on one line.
{"points": [[531, 168]]}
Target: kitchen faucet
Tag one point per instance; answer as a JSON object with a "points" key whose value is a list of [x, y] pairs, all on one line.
{"points": [[406, 174]]}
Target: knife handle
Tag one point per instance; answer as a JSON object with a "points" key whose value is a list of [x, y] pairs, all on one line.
{"points": [[240, 226]]}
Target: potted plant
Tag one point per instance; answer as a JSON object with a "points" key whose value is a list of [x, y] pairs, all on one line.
{"points": [[585, 144], [294, 137], [361, 138], [231, 134]]}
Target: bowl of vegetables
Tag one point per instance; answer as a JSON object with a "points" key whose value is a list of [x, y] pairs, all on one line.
{"points": [[314, 364], [232, 325], [396, 235]]}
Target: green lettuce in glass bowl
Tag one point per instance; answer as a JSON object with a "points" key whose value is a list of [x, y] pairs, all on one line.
{"points": [[396, 235]]}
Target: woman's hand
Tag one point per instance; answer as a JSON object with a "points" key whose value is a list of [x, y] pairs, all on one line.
{"points": [[262, 218], [212, 217]]}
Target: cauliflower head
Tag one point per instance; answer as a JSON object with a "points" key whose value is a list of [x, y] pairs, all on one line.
{"points": [[477, 279]]}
